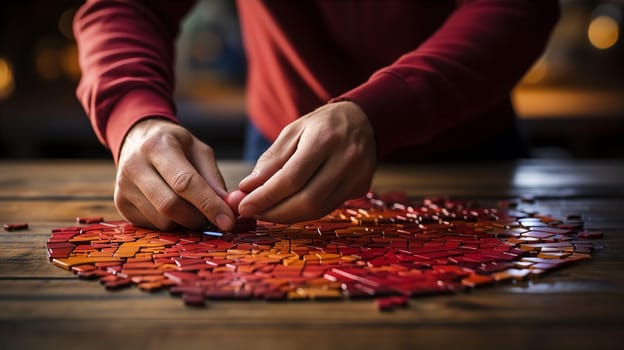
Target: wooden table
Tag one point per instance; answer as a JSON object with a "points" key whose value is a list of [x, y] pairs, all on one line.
{"points": [[581, 307]]}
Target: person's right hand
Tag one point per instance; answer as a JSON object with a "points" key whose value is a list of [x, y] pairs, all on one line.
{"points": [[166, 177]]}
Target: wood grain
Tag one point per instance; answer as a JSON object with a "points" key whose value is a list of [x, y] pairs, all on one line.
{"points": [[581, 307]]}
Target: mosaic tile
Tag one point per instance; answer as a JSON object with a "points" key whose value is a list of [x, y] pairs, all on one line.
{"points": [[378, 246]]}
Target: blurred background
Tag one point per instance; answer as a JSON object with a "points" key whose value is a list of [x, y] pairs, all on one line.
{"points": [[571, 102]]}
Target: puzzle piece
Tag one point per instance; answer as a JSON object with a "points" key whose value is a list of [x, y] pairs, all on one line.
{"points": [[391, 303], [16, 227], [376, 246]]}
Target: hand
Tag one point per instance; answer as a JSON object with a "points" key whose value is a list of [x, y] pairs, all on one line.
{"points": [[167, 177], [316, 163]]}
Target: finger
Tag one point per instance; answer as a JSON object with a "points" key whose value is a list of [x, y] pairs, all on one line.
{"points": [[234, 198], [325, 192], [185, 181], [204, 159], [136, 216], [165, 202], [272, 159], [141, 185], [288, 180], [331, 186], [161, 206]]}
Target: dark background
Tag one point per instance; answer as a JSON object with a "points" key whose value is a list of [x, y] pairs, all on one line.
{"points": [[571, 103]]}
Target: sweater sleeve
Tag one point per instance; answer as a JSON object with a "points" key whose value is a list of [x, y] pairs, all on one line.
{"points": [[126, 58], [470, 63]]}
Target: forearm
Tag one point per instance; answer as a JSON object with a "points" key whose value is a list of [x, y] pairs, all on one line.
{"points": [[468, 65], [126, 57]]}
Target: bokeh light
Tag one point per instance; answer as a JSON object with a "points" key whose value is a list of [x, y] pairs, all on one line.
{"points": [[69, 62], [603, 32], [7, 81]]}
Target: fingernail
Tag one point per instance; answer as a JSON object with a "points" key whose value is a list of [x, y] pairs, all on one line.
{"points": [[224, 222], [248, 210]]}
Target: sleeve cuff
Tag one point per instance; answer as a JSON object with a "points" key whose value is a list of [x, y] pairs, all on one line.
{"points": [[134, 106], [390, 103]]}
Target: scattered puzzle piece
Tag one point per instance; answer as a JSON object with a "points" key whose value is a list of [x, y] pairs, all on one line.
{"points": [[16, 227], [590, 234], [376, 246], [89, 220], [391, 303]]}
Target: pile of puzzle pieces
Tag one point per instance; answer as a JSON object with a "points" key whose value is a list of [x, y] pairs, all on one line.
{"points": [[376, 246]]}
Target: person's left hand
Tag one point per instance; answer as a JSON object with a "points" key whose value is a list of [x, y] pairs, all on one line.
{"points": [[317, 162]]}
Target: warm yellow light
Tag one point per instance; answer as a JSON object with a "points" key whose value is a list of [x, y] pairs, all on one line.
{"points": [[7, 83], [537, 73], [70, 62], [603, 32]]}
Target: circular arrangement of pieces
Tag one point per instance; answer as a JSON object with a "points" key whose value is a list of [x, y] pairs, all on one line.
{"points": [[382, 247]]}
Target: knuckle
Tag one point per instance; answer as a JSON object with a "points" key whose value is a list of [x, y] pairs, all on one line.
{"points": [[267, 155], [150, 145], [127, 170], [122, 200], [167, 205], [208, 206], [155, 145], [181, 182], [351, 153], [206, 150], [288, 129]]}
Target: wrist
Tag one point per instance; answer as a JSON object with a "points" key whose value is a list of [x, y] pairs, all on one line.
{"points": [[133, 107], [142, 128]]}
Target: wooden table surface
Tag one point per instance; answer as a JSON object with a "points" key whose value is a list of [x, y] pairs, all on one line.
{"points": [[580, 307]]}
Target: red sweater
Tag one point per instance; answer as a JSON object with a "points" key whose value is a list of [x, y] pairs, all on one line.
{"points": [[429, 74]]}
